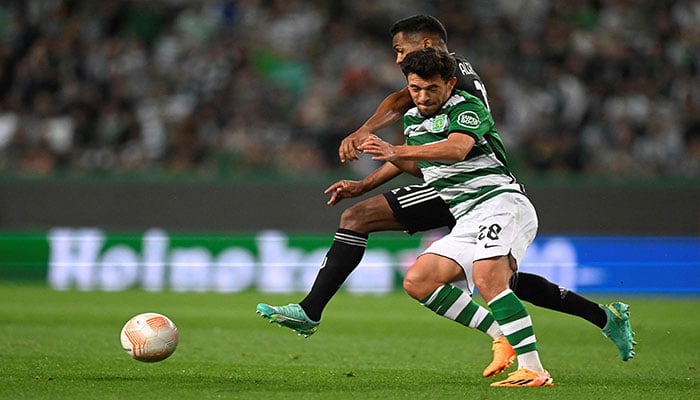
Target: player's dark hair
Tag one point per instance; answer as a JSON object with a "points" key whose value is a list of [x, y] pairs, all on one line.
{"points": [[420, 24], [429, 62]]}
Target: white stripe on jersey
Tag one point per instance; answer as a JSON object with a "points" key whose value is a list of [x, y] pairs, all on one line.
{"points": [[436, 172]]}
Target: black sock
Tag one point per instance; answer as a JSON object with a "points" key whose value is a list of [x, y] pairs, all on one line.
{"points": [[342, 258], [543, 293]]}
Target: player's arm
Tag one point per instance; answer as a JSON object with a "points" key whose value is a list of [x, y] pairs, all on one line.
{"points": [[388, 112], [408, 166], [345, 189], [455, 148]]}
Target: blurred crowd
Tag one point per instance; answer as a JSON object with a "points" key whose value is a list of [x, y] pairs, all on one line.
{"points": [[220, 87]]}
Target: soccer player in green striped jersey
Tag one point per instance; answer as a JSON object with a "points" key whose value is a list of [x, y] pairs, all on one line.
{"points": [[418, 208], [452, 142]]}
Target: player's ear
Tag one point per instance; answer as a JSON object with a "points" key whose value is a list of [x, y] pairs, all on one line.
{"points": [[427, 42], [452, 82]]}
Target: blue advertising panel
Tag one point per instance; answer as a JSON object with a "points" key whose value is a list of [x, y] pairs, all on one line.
{"points": [[277, 261], [661, 265]]}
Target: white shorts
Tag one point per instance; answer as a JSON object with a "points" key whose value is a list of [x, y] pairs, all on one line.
{"points": [[503, 225]]}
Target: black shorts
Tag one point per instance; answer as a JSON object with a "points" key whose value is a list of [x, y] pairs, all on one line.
{"points": [[419, 208]]}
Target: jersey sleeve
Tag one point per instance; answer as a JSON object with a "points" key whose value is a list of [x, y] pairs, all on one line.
{"points": [[472, 118]]}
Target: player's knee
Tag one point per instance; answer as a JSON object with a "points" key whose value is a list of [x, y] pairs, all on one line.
{"points": [[355, 218], [351, 218], [491, 281], [416, 285], [483, 284]]}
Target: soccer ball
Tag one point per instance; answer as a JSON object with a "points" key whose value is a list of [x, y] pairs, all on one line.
{"points": [[149, 337]]}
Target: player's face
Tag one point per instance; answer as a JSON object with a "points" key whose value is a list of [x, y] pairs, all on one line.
{"points": [[404, 44], [429, 94]]}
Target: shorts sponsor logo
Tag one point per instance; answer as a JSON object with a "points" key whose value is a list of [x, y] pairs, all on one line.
{"points": [[469, 119]]}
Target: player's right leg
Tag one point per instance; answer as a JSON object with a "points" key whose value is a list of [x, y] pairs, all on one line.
{"points": [[344, 255], [291, 316], [411, 208], [429, 281], [347, 250]]}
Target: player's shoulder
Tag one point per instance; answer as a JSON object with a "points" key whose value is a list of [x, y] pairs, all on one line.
{"points": [[464, 99], [468, 110], [464, 67], [459, 57]]}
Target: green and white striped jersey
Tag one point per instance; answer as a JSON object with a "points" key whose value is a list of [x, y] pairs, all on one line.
{"points": [[483, 174]]}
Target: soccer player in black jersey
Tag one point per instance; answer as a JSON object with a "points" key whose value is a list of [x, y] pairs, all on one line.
{"points": [[418, 208]]}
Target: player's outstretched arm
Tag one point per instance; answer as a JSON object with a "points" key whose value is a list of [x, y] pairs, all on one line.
{"points": [[388, 112], [455, 148], [345, 189]]}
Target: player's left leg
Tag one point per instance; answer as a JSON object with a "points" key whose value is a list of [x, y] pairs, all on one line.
{"points": [[491, 277], [618, 328], [613, 319], [506, 226], [346, 252], [412, 208], [541, 292]]}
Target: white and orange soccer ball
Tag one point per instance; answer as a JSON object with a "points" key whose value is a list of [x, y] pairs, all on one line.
{"points": [[150, 337]]}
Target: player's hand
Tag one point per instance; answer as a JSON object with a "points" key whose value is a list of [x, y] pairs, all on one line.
{"points": [[349, 145], [343, 189], [382, 151]]}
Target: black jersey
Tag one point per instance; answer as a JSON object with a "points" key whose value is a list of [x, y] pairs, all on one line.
{"points": [[469, 81]]}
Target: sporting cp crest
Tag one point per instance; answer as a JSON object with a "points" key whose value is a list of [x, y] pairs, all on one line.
{"points": [[439, 123]]}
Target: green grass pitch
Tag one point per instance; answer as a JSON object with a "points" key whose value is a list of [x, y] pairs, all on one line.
{"points": [[65, 345]]}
